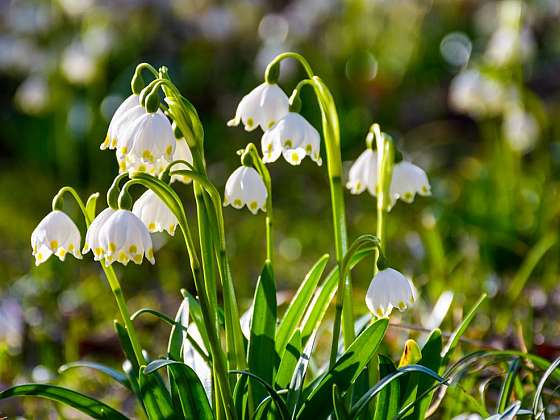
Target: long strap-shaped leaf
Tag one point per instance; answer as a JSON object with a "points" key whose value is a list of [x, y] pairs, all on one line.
{"points": [[113, 373], [87, 405], [298, 377], [298, 305], [345, 371]]}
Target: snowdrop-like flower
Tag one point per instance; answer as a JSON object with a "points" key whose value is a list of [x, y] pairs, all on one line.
{"points": [[182, 152], [520, 129], [508, 45], [92, 241], [111, 140], [55, 234], [124, 237], [246, 187], [294, 138], [154, 213], [147, 144], [407, 181], [363, 173], [389, 289], [476, 94], [264, 106]]}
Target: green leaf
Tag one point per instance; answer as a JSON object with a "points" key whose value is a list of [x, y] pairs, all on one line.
{"points": [[126, 345], [113, 373], [459, 331], [83, 403], [91, 204], [260, 352], [339, 406], [298, 305], [411, 355], [278, 401], [195, 313], [240, 397], [507, 385], [191, 393], [178, 331], [323, 297], [289, 361], [263, 409], [298, 378], [155, 397], [345, 371], [537, 412], [364, 400], [431, 358], [387, 403]]}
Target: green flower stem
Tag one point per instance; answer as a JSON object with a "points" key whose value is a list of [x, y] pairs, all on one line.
{"points": [[251, 150], [362, 242], [171, 199], [385, 159], [331, 135], [113, 282]]}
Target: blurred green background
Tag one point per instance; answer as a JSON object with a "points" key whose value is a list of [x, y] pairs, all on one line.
{"points": [[469, 89]]}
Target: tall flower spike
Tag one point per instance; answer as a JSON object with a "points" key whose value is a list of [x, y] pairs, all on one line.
{"points": [[389, 289], [363, 173], [124, 237], [182, 152], [148, 144], [246, 187], [92, 242], [154, 213], [55, 234], [407, 181], [264, 106], [110, 141], [294, 138]]}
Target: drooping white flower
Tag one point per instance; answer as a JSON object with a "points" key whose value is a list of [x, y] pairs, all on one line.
{"points": [[363, 173], [294, 138], [407, 181], [147, 144], [55, 234], [264, 106], [246, 187], [476, 94], [508, 45], [389, 289], [124, 237], [154, 213], [110, 141], [182, 152], [520, 129], [92, 241]]}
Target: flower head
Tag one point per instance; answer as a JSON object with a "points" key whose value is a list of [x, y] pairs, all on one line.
{"points": [[264, 106], [363, 173], [389, 289], [147, 144], [182, 152], [407, 181], [476, 94], [154, 213], [92, 241], [111, 140], [294, 138], [55, 234], [246, 187], [123, 237], [520, 128]]}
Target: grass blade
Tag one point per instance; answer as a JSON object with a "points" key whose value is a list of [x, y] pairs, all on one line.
{"points": [[507, 385], [387, 403], [298, 305], [289, 361], [113, 373], [83, 403], [345, 371]]}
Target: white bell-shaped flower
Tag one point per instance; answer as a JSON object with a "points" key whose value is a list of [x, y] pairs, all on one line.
{"points": [[246, 187], [476, 94], [55, 234], [154, 213], [111, 139], [92, 242], [124, 237], [265, 105], [182, 152], [147, 144], [407, 181], [294, 138], [521, 129], [363, 173], [389, 289]]}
